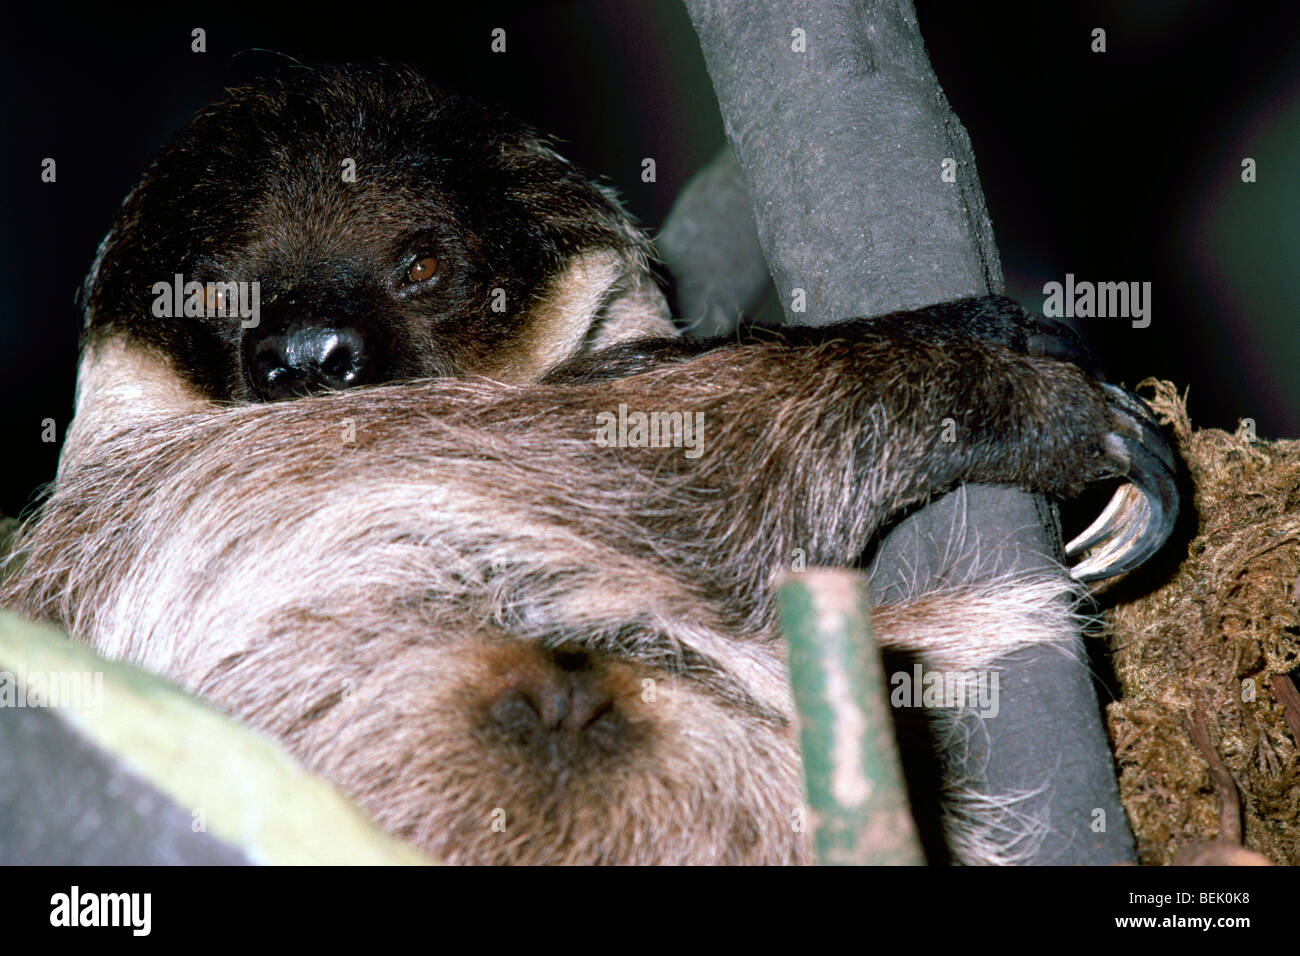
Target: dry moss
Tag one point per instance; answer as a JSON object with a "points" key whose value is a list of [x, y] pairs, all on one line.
{"points": [[1211, 639]]}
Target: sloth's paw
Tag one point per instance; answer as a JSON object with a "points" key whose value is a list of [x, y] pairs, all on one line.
{"points": [[1142, 512]]}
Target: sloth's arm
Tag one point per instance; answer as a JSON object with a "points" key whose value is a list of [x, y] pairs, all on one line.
{"points": [[945, 368], [820, 443]]}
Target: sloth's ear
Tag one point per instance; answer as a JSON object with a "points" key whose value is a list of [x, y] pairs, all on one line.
{"points": [[119, 384], [602, 297]]}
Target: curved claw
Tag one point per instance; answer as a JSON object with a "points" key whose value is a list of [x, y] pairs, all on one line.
{"points": [[1100, 529], [1141, 423], [1141, 515]]}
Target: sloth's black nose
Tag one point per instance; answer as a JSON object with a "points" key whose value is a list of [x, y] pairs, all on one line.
{"points": [[306, 358]]}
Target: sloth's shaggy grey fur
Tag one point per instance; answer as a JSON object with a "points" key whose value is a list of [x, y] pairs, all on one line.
{"points": [[366, 575]]}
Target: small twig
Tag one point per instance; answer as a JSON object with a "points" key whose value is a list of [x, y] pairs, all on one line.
{"points": [[1225, 788]]}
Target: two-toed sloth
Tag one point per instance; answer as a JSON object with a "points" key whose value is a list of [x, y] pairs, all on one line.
{"points": [[426, 570]]}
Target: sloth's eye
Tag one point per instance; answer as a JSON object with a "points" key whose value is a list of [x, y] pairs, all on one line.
{"points": [[423, 268], [214, 298]]}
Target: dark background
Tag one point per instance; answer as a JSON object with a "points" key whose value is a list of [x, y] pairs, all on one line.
{"points": [[1123, 166]]}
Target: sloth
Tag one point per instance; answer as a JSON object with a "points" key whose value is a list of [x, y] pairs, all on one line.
{"points": [[379, 524]]}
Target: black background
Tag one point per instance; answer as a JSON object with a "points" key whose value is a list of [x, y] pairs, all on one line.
{"points": [[1123, 166]]}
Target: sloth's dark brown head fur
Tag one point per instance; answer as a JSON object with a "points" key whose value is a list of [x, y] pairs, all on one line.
{"points": [[526, 261]]}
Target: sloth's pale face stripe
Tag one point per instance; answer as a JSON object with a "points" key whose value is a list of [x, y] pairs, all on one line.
{"points": [[600, 299], [119, 385]]}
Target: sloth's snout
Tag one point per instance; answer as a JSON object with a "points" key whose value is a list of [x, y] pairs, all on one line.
{"points": [[307, 357]]}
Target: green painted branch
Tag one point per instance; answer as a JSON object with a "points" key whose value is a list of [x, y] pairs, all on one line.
{"points": [[856, 792]]}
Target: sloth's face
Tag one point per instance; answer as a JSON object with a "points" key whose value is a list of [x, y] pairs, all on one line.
{"points": [[352, 226], [357, 284]]}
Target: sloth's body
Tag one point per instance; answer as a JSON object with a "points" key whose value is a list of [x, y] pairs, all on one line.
{"points": [[446, 595]]}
